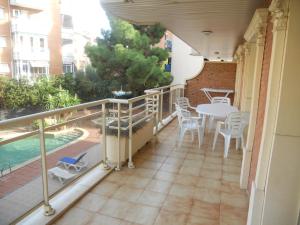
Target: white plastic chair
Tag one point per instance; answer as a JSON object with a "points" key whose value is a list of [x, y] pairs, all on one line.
{"points": [[184, 103], [233, 127], [215, 100], [189, 123], [220, 100]]}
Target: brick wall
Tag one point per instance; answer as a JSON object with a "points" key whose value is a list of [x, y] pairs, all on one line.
{"points": [[54, 38], [213, 75], [261, 103], [6, 53]]}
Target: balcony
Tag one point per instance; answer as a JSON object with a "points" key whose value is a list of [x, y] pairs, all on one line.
{"points": [[26, 25], [34, 55], [169, 183], [30, 4]]}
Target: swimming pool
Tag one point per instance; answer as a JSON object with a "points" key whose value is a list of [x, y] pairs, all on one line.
{"points": [[18, 152]]}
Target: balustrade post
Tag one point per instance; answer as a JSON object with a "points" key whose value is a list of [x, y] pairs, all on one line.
{"points": [[161, 108], [170, 102], [104, 148], [48, 210], [119, 137], [130, 163]]}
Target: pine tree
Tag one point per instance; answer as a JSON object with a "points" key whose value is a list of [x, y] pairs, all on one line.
{"points": [[126, 56]]}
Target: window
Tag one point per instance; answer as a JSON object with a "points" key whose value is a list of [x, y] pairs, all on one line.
{"points": [[67, 21], [25, 68], [2, 13], [4, 68], [2, 42], [31, 42], [68, 68], [42, 43], [16, 13]]}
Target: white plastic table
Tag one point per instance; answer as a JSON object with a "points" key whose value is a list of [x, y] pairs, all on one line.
{"points": [[207, 92], [216, 110]]}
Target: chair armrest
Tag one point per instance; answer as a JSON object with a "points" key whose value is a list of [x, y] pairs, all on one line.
{"points": [[194, 108]]}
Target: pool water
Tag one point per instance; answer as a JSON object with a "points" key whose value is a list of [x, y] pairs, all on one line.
{"points": [[18, 152]]}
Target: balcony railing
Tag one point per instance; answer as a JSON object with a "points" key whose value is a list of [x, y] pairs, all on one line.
{"points": [[29, 4], [92, 120]]}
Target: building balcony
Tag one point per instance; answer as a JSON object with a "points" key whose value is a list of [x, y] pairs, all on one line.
{"points": [[30, 4], [25, 25], [34, 55], [170, 183]]}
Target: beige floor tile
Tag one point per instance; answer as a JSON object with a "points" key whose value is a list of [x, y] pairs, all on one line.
{"points": [[232, 215], [212, 166], [142, 214], [128, 193], [145, 173], [207, 195], [194, 156], [233, 199], [166, 176], [206, 210], [75, 216], [197, 220], [171, 218], [231, 177], [187, 170], [159, 186], [105, 220], [170, 168], [213, 174], [186, 180], [178, 204], [232, 169], [151, 165], [208, 183], [174, 161], [231, 187], [183, 191], [106, 188], [179, 154], [116, 177], [192, 163], [116, 208], [137, 182], [92, 202], [152, 198]]}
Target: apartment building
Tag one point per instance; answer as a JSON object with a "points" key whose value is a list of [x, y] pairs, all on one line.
{"points": [[37, 38], [74, 40], [30, 38]]}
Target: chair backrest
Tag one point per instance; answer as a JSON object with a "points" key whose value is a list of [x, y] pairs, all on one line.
{"points": [[220, 100], [80, 157], [234, 122], [183, 102], [181, 114]]}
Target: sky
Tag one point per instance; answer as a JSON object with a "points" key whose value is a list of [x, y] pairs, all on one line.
{"points": [[88, 15]]}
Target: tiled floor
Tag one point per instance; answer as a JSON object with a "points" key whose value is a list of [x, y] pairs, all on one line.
{"points": [[170, 186]]}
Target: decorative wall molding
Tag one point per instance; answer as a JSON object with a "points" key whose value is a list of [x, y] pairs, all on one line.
{"points": [[279, 14], [257, 26]]}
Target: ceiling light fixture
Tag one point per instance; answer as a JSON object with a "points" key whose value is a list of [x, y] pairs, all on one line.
{"points": [[207, 32]]}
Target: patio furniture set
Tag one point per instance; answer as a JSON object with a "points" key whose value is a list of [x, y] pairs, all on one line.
{"points": [[226, 119]]}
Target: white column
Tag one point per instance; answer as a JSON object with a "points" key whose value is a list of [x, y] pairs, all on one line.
{"points": [[258, 191], [255, 32]]}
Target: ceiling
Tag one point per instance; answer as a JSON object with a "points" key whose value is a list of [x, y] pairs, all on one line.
{"points": [[187, 19]]}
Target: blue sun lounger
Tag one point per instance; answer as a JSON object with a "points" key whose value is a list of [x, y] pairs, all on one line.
{"points": [[74, 163]]}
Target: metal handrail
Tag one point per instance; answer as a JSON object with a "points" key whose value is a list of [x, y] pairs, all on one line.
{"points": [[151, 108]]}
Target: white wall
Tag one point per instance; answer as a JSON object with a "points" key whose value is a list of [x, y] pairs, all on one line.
{"points": [[184, 65]]}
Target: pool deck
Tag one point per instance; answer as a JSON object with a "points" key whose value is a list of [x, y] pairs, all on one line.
{"points": [[16, 195], [23, 175]]}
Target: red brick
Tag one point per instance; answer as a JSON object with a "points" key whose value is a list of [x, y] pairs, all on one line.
{"points": [[213, 75]]}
